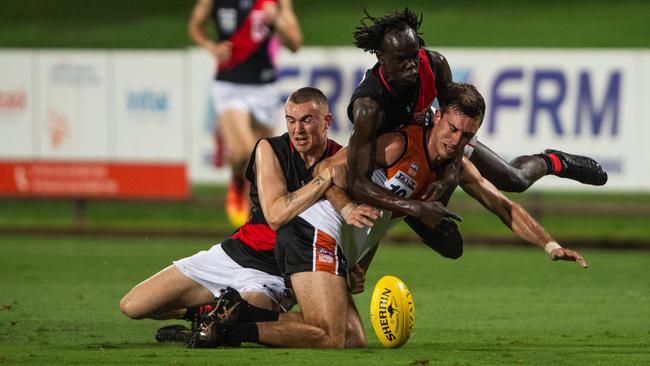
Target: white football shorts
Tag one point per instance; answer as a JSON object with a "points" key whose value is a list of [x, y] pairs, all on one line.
{"points": [[262, 101], [215, 270]]}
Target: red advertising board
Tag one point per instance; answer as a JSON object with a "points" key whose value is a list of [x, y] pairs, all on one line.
{"points": [[33, 178]]}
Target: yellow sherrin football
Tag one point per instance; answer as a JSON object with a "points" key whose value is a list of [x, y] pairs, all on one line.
{"points": [[392, 312]]}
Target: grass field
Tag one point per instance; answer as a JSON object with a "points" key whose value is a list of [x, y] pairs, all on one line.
{"points": [[59, 305], [464, 23], [59, 294], [567, 216]]}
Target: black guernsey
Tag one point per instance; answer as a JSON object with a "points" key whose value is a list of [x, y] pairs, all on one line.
{"points": [[243, 23], [399, 110], [252, 245]]}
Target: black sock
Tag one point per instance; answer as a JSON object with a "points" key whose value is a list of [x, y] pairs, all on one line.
{"points": [[243, 332], [549, 163], [192, 313], [250, 314]]}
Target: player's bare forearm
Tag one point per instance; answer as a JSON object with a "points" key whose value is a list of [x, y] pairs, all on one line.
{"points": [[367, 191], [527, 228], [511, 214], [361, 161], [514, 216], [285, 208], [338, 197], [279, 205]]}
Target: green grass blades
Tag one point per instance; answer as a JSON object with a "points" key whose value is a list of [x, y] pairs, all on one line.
{"points": [[592, 218], [59, 305]]}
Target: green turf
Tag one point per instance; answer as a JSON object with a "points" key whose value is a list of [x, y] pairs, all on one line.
{"points": [[59, 305], [566, 216], [464, 23]]}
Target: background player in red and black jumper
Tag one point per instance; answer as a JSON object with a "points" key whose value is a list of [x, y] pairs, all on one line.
{"points": [[400, 90], [244, 94], [280, 174]]}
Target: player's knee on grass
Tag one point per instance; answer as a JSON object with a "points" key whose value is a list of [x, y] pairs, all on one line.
{"points": [[130, 308], [355, 338], [322, 297]]}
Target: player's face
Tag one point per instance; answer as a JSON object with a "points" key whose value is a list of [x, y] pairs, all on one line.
{"points": [[307, 124], [399, 58], [452, 131]]}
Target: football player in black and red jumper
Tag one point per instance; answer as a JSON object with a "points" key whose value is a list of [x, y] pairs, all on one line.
{"points": [[400, 90]]}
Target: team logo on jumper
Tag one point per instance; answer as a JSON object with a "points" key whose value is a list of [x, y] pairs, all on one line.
{"points": [[401, 184]]}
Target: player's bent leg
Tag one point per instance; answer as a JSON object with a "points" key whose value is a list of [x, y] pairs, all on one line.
{"points": [[523, 171], [516, 176], [236, 127], [323, 299], [355, 336], [161, 295], [261, 300], [230, 307]]}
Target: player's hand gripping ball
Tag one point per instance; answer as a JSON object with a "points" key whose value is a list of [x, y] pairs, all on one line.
{"points": [[392, 312]]}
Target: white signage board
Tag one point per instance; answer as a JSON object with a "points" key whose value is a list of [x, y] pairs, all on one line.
{"points": [[73, 112], [149, 104], [156, 105], [17, 100]]}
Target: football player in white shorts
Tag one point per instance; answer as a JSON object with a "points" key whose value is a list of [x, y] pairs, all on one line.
{"points": [[316, 251], [280, 173]]}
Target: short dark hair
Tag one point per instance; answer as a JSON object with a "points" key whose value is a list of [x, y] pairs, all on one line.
{"points": [[308, 94], [463, 98], [369, 37]]}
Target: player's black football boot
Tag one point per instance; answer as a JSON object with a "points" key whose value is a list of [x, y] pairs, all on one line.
{"points": [[179, 332], [227, 307], [210, 334], [173, 333], [580, 168]]}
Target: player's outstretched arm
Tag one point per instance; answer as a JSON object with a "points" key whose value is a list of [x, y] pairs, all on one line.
{"points": [[512, 214], [278, 204]]}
